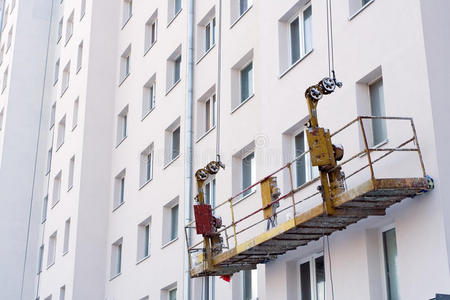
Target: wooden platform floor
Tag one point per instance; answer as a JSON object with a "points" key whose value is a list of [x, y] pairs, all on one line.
{"points": [[371, 198]]}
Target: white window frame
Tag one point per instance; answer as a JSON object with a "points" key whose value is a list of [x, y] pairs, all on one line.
{"points": [[151, 32], [52, 243], [251, 83], [211, 111], [75, 112], [116, 258], [127, 11], [60, 30], [66, 236], [5, 79], [385, 140], [252, 175], [82, 9], [125, 64], [69, 27], [57, 184], [144, 240], [171, 290], [384, 283], [71, 174], [61, 132], [254, 287], [311, 172], [146, 165], [119, 189], [301, 22], [312, 269], [80, 56], [65, 79], [149, 96], [122, 125], [56, 74], [211, 36]]}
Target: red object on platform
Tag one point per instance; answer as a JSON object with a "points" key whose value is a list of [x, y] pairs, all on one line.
{"points": [[204, 219], [227, 278]]}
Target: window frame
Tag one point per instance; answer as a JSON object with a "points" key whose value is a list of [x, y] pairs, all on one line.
{"points": [[311, 172], [211, 35], [384, 280], [300, 15], [251, 83], [252, 173], [311, 259]]}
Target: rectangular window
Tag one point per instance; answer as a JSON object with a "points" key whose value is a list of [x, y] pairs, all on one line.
{"points": [[244, 6], [177, 7], [149, 96], [175, 143], [49, 160], [294, 27], [62, 293], [5, 18], [71, 173], [10, 36], [51, 249], [174, 222], [116, 258], [173, 294], [61, 132], [379, 130], [65, 79], [52, 115], [250, 285], [5, 79], [41, 258], [44, 209], [304, 171], [66, 236], [56, 75], [69, 27], [312, 279], [2, 114], [2, 53], [122, 125], [246, 81], [210, 34], [144, 229], [80, 57], [82, 9], [125, 64], [127, 11], [210, 113], [177, 70], [248, 173], [151, 31], [390, 264], [57, 189], [146, 165], [300, 29], [76, 103], [60, 29], [210, 193]]}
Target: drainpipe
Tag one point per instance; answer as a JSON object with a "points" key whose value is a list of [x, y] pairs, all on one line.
{"points": [[189, 142]]}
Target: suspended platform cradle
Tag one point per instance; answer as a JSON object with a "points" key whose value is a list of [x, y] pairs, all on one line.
{"points": [[239, 240]]}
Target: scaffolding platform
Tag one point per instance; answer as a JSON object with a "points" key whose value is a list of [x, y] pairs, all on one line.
{"points": [[367, 198]]}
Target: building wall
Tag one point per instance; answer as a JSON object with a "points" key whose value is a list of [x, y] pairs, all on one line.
{"points": [[402, 49]]}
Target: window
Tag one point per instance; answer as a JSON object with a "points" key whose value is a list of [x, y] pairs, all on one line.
{"points": [[49, 160], [151, 29], [149, 96], [65, 78], [125, 64], [173, 294], [390, 264], [48, 297], [71, 172], [250, 285], [56, 189], [174, 69], [116, 258], [40, 259], [66, 236], [122, 125], [5, 18], [127, 11], [13, 4], [312, 278], [80, 57], [2, 53], [69, 27], [248, 173], [246, 82], [2, 114], [304, 171], [82, 9], [210, 34], [244, 5], [62, 293], [379, 131], [51, 249], [52, 115], [119, 189], [61, 132], [170, 221], [355, 6], [44, 209], [5, 79], [60, 29], [76, 103], [210, 193], [172, 142], [56, 75], [295, 35], [10, 36], [144, 239], [174, 9], [242, 88], [146, 164], [210, 113]]}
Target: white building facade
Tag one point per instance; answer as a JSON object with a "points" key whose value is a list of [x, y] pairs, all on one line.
{"points": [[104, 122]]}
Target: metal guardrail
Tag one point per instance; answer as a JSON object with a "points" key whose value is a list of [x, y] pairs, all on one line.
{"points": [[367, 151]]}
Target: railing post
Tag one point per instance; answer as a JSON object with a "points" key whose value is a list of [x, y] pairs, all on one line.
{"points": [[292, 189], [232, 221], [419, 152], [367, 147]]}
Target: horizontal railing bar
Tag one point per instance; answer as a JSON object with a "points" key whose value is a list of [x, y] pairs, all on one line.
{"points": [[393, 149]]}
